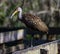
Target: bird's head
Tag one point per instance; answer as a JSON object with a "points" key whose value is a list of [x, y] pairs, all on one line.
{"points": [[19, 9]]}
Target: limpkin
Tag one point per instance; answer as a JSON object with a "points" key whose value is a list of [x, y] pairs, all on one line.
{"points": [[31, 21]]}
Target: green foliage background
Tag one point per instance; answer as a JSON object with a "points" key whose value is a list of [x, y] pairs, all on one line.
{"points": [[8, 6]]}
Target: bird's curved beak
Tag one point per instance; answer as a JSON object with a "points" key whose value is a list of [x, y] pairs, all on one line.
{"points": [[14, 13]]}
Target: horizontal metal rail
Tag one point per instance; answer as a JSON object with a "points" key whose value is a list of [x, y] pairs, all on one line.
{"points": [[52, 30]]}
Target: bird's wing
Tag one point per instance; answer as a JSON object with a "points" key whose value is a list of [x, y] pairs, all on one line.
{"points": [[36, 22]]}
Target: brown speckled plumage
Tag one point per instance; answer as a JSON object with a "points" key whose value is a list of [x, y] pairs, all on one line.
{"points": [[34, 22]]}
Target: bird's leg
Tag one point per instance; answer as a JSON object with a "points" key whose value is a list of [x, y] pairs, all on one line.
{"points": [[32, 34]]}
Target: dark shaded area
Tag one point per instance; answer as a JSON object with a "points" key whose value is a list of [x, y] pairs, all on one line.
{"points": [[13, 43], [43, 51], [27, 43], [58, 48], [52, 30], [34, 42]]}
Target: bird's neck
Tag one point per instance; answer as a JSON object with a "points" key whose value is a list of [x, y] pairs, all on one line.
{"points": [[20, 15]]}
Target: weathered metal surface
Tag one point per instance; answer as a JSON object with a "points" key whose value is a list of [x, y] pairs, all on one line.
{"points": [[11, 36], [51, 48]]}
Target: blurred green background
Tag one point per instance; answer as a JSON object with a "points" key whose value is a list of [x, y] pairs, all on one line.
{"points": [[47, 10]]}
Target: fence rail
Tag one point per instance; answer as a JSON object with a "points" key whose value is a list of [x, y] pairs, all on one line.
{"points": [[12, 34], [52, 30]]}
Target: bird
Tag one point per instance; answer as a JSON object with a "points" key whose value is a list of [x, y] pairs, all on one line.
{"points": [[31, 21]]}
